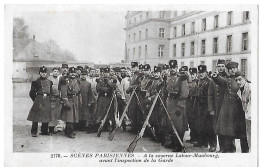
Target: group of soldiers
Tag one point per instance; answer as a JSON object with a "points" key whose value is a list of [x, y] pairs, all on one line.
{"points": [[167, 100]]}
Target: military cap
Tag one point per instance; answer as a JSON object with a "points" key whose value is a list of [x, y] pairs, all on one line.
{"points": [[84, 71], [157, 69], [202, 68], [239, 73], [147, 67], [117, 69], [64, 66], [221, 61], [184, 68], [165, 67], [232, 65], [43, 69], [79, 68], [141, 66], [173, 63], [193, 70], [72, 70], [122, 69], [56, 68], [107, 69], [86, 67], [134, 64]]}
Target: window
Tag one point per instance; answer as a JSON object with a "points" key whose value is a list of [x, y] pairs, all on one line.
{"points": [[133, 53], [191, 64], [204, 25], [215, 45], [146, 34], [145, 51], [161, 32], [192, 48], [183, 49], [141, 17], [244, 66], [147, 15], [139, 51], [203, 47], [245, 16], [174, 50], [229, 19], [175, 32], [161, 14], [134, 37], [202, 62], [160, 50], [216, 21], [129, 38], [134, 20], [193, 27], [245, 41], [140, 35], [229, 43], [183, 29]]}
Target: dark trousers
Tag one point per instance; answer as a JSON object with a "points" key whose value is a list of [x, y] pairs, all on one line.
{"points": [[44, 127], [207, 138], [82, 125], [193, 133], [69, 129], [221, 140], [175, 141], [244, 145], [229, 144], [121, 107]]}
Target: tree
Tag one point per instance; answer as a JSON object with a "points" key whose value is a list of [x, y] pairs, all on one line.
{"points": [[20, 30]]}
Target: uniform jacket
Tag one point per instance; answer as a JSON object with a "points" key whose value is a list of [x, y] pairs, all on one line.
{"points": [[40, 94], [55, 98], [231, 120], [245, 97]]}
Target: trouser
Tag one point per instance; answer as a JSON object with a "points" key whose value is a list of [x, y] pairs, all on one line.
{"points": [[121, 107], [69, 129], [44, 127], [82, 125], [248, 132], [206, 138], [221, 140], [193, 133], [244, 145], [175, 141], [229, 144]]}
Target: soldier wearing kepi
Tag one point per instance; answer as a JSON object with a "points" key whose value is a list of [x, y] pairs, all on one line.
{"points": [[177, 90], [231, 119], [204, 121], [70, 90], [190, 106], [41, 110], [55, 100], [215, 98], [86, 115], [106, 87]]}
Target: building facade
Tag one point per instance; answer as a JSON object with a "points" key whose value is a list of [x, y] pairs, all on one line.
{"points": [[192, 38]]}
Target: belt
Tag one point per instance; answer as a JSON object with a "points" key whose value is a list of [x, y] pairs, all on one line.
{"points": [[43, 94], [73, 95], [105, 94]]}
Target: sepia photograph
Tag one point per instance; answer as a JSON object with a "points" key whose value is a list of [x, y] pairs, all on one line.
{"points": [[97, 80]]}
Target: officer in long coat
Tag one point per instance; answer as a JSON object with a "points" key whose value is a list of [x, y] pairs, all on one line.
{"points": [[231, 119], [215, 98], [86, 115], [177, 90], [55, 99], [70, 90], [204, 121], [190, 106], [41, 110], [106, 87]]}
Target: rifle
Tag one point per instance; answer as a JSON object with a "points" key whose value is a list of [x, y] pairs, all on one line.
{"points": [[104, 120], [173, 127], [112, 134], [140, 135], [148, 125]]}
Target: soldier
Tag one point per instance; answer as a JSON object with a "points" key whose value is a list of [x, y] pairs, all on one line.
{"points": [[41, 110], [70, 90], [231, 119], [156, 117], [204, 121], [215, 98], [134, 111], [86, 115], [190, 106], [176, 91], [106, 87], [55, 100]]}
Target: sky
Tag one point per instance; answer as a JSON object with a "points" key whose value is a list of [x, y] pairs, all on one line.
{"points": [[93, 36]]}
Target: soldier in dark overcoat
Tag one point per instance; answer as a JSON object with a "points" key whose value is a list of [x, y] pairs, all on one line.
{"points": [[231, 119], [215, 98], [41, 110], [204, 121], [70, 90], [177, 90]]}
